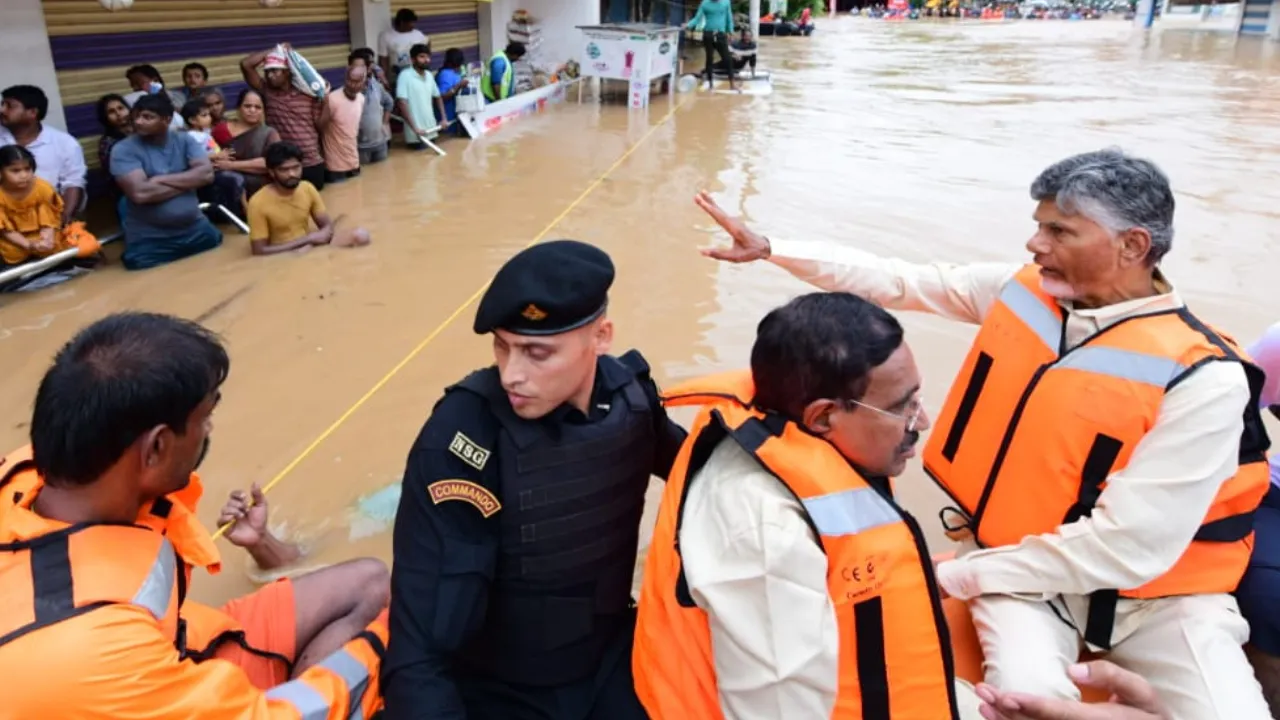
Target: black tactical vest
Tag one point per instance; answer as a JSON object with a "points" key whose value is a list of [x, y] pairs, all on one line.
{"points": [[572, 496]]}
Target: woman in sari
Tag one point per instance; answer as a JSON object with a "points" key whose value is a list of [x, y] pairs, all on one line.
{"points": [[250, 137]]}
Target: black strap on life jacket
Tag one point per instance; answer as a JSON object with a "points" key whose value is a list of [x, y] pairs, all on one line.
{"points": [[968, 401], [238, 637], [873, 675], [1097, 467], [51, 580]]}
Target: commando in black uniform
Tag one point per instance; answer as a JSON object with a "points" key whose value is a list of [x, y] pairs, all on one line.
{"points": [[515, 540]]}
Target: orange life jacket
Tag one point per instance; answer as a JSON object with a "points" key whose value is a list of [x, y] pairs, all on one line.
{"points": [[201, 628], [894, 660], [54, 572], [1029, 433]]}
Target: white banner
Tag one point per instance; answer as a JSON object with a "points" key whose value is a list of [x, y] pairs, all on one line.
{"points": [[664, 51], [610, 55], [495, 115]]}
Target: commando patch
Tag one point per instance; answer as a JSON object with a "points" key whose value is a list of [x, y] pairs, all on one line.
{"points": [[466, 491], [471, 453]]}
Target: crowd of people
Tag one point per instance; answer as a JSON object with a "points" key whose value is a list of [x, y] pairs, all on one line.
{"points": [[1103, 449], [180, 160], [999, 10]]}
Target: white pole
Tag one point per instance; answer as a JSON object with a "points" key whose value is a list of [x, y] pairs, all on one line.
{"points": [[755, 20]]}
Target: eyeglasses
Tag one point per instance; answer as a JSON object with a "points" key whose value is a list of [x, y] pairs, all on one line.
{"points": [[915, 409]]}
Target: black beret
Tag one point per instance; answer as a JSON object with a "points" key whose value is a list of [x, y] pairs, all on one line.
{"points": [[547, 289]]}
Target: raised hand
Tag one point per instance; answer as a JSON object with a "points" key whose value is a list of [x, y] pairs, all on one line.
{"points": [[747, 244]]}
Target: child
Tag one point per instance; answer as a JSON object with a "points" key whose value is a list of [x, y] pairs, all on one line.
{"points": [[200, 124], [31, 212], [228, 188]]}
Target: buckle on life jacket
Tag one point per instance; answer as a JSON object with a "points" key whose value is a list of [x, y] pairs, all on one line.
{"points": [[180, 639], [955, 523]]}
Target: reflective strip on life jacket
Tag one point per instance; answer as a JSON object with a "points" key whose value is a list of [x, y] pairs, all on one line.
{"points": [[1030, 432], [849, 512], [1042, 320], [314, 697], [83, 568]]}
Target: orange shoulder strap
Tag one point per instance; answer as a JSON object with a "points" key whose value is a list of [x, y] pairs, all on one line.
{"points": [[734, 385]]}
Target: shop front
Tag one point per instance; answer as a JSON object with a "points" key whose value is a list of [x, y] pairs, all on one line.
{"points": [[92, 47]]}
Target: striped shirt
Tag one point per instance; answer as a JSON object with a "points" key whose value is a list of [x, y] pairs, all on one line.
{"points": [[294, 116]]}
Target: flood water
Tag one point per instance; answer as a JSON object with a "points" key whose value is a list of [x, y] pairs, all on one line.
{"points": [[917, 139]]}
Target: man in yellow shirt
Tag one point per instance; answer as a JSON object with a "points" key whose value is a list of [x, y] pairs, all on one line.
{"points": [[282, 213]]}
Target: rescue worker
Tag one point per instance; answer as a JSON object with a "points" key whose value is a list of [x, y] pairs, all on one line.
{"points": [[515, 539], [98, 536], [498, 81], [784, 581], [1103, 444]]}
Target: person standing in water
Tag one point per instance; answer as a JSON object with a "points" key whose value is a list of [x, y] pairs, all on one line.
{"points": [[160, 170], [395, 44], [452, 82], [298, 117], [1130, 530], [346, 105], [282, 213], [418, 100], [515, 540], [716, 18], [498, 81]]}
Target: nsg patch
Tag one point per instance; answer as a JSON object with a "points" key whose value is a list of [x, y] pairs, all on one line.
{"points": [[471, 453]]}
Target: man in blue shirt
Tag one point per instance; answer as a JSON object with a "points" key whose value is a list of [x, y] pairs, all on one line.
{"points": [[159, 172], [499, 83], [452, 81]]}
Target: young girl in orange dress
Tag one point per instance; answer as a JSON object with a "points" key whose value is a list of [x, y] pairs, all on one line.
{"points": [[31, 212]]}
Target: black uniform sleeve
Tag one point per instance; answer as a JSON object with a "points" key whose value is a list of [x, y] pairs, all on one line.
{"points": [[670, 434], [444, 553]]}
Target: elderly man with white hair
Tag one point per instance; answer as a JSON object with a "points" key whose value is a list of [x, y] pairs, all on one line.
{"points": [[1101, 444]]}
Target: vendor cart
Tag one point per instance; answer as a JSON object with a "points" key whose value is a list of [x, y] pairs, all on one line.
{"points": [[636, 52]]}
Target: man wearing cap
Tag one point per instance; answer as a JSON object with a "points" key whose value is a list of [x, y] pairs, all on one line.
{"points": [[515, 540]]}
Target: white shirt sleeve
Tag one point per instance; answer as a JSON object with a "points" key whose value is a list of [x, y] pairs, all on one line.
{"points": [[959, 292], [753, 565], [384, 45], [72, 169], [1145, 517], [1265, 351]]}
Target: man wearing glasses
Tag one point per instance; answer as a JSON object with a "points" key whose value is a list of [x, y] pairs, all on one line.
{"points": [[1101, 444], [784, 581]]}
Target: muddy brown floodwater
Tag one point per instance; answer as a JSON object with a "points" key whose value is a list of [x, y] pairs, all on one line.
{"points": [[917, 139]]}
